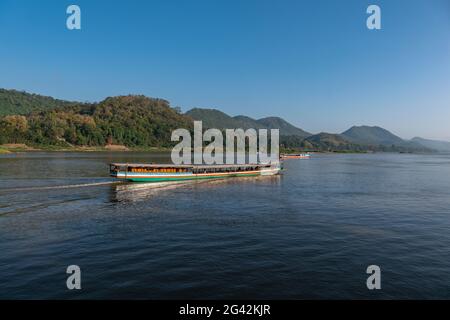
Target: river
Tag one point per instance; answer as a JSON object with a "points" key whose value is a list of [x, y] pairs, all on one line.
{"points": [[309, 233]]}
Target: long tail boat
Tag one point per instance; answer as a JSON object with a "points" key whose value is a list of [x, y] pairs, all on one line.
{"points": [[170, 172]]}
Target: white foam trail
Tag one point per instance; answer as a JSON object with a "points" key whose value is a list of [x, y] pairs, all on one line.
{"points": [[141, 191], [155, 185], [69, 186]]}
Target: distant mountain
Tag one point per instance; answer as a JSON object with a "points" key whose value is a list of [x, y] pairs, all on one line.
{"points": [[286, 129], [213, 118], [19, 102], [246, 122], [372, 136], [139, 121], [443, 146], [331, 142], [326, 141], [379, 139]]}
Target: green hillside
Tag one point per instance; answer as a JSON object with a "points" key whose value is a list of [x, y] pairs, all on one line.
{"points": [[139, 121], [286, 129], [213, 118], [372, 136], [356, 139], [379, 139], [128, 120], [330, 142], [19, 102]]}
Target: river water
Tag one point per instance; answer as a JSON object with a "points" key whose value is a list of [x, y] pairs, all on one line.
{"points": [[309, 233]]}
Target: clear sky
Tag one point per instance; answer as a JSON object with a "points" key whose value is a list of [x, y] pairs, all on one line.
{"points": [[314, 63]]}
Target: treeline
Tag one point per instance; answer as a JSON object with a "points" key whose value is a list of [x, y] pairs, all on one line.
{"points": [[13, 102], [139, 121], [127, 120]]}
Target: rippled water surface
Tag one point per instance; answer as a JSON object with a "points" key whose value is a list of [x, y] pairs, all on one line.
{"points": [[309, 233]]}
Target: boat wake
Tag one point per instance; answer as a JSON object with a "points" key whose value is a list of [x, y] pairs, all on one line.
{"points": [[139, 191], [131, 192], [69, 186]]}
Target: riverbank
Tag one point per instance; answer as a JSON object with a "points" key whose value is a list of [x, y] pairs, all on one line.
{"points": [[20, 147], [295, 151]]}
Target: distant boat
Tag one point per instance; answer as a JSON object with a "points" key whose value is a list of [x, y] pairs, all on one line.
{"points": [[295, 156], [171, 172]]}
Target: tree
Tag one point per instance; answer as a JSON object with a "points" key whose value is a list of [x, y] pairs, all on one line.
{"points": [[14, 128]]}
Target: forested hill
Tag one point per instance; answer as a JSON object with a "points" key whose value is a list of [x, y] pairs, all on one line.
{"points": [[19, 102], [141, 122], [127, 120], [213, 118], [372, 135], [442, 146]]}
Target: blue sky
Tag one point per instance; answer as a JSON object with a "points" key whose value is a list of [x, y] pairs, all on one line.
{"points": [[313, 63]]}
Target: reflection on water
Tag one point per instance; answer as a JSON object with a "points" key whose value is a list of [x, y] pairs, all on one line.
{"points": [[141, 191]]}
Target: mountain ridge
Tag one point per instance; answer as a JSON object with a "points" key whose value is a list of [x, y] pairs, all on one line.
{"points": [[439, 145], [371, 135], [137, 120], [213, 118], [15, 102]]}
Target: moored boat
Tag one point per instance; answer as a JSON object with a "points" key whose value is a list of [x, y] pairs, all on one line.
{"points": [[295, 156], [170, 172]]}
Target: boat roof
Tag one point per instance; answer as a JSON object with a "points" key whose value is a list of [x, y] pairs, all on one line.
{"points": [[168, 165]]}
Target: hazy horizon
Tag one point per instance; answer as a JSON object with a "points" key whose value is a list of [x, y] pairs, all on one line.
{"points": [[313, 63]]}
